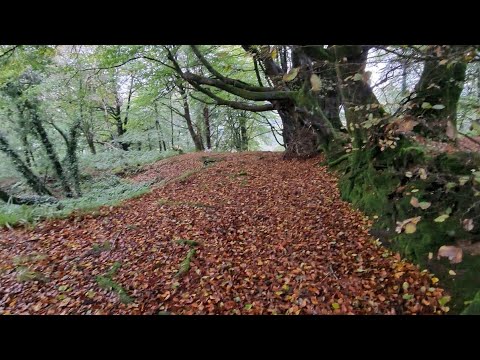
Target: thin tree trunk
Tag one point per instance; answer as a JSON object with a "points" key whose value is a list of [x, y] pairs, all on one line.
{"points": [[157, 126], [72, 158], [243, 134], [283, 58], [89, 136], [171, 120], [91, 145], [148, 142], [197, 140], [206, 117], [404, 77], [52, 155], [126, 145], [127, 111], [478, 81]]}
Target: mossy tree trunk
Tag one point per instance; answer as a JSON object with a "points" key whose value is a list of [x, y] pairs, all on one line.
{"points": [[29, 159], [440, 84], [362, 108], [32, 180], [87, 129], [4, 196], [8, 198], [115, 111], [116, 114], [24, 131], [50, 150], [72, 158], [305, 129], [311, 116]]}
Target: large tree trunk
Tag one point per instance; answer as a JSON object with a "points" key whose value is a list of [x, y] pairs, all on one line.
{"points": [[328, 96], [478, 80], [362, 108], [441, 84], [24, 130], [159, 130], [307, 118], [306, 131], [299, 139]]}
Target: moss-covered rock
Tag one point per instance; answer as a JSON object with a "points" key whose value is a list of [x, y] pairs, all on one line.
{"points": [[383, 183]]}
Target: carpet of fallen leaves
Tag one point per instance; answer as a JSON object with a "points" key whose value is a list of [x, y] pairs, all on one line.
{"points": [[273, 238]]}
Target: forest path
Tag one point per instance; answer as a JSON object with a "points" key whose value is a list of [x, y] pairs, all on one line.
{"points": [[272, 237]]}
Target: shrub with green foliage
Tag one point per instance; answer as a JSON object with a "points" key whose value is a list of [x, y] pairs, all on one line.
{"points": [[101, 188]]}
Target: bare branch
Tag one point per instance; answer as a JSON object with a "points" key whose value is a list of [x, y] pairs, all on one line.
{"points": [[9, 51]]}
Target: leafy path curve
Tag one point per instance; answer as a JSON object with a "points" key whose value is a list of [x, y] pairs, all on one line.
{"points": [[273, 238]]}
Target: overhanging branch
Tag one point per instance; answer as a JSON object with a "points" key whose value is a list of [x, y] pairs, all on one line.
{"points": [[246, 94], [226, 80]]}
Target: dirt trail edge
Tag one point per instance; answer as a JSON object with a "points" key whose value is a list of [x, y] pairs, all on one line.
{"points": [[247, 233]]}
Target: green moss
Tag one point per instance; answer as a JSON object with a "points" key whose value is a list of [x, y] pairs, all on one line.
{"points": [[460, 163], [473, 308], [375, 182], [185, 264], [187, 242], [410, 155], [105, 281], [99, 248]]}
